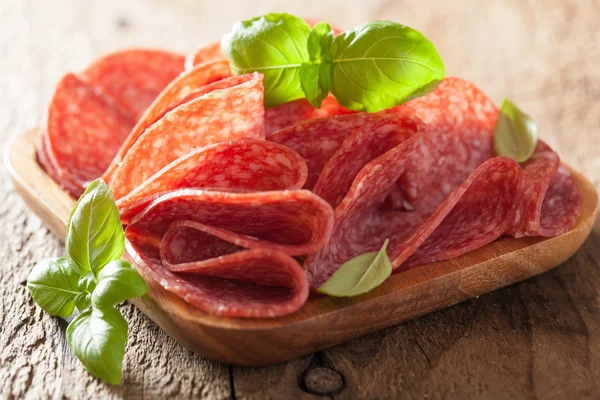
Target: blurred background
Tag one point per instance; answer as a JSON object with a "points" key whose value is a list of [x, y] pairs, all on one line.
{"points": [[545, 55]]}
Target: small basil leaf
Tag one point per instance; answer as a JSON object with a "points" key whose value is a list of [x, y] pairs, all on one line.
{"points": [[117, 282], [53, 286], [359, 275], [275, 45], [315, 75], [515, 133], [83, 301], [87, 282], [97, 337], [382, 64], [94, 233]]}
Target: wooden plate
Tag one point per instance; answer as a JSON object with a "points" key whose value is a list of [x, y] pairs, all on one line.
{"points": [[322, 322]]}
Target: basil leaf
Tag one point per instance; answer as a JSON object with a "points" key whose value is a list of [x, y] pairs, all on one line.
{"points": [[382, 64], [315, 75], [117, 282], [515, 133], [97, 337], [275, 45], [359, 275], [94, 233], [83, 301], [53, 286]]}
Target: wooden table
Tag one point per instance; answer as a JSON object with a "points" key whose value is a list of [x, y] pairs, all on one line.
{"points": [[537, 339]]}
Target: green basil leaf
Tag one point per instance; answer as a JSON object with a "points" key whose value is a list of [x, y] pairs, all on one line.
{"points": [[274, 45], [359, 275], [382, 64], [316, 74], [515, 133], [94, 233], [117, 282], [83, 301], [53, 286], [97, 337]]}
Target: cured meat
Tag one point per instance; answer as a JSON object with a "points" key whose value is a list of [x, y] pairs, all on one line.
{"points": [[222, 115], [84, 133], [207, 53], [187, 86], [203, 236], [287, 114], [133, 78], [550, 202], [458, 137], [243, 165], [451, 215]]}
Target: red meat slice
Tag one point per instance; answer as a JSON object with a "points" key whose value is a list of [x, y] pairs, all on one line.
{"points": [[243, 165], [84, 132], [203, 236], [550, 202], [207, 53], [221, 115], [287, 114], [133, 78], [452, 214], [187, 86]]}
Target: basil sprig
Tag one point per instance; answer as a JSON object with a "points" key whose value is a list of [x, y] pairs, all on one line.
{"points": [[93, 279], [372, 67], [359, 275], [515, 133]]}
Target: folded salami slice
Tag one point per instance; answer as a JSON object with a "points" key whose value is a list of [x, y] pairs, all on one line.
{"points": [[203, 235], [244, 165], [84, 132], [133, 78], [550, 202], [221, 115], [207, 53], [317, 140], [187, 86], [287, 114]]}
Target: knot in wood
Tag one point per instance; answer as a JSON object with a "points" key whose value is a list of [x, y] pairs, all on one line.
{"points": [[323, 381]]}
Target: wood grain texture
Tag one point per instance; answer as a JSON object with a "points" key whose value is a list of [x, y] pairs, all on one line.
{"points": [[537, 339]]}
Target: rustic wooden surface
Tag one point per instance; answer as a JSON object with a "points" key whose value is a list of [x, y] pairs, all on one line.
{"points": [[537, 339]]}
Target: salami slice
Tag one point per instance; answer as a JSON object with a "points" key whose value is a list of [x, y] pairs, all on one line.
{"points": [[222, 115], [550, 202], [84, 132], [317, 140], [287, 114], [247, 165], [207, 53], [194, 242], [133, 78], [187, 86], [452, 212], [210, 288]]}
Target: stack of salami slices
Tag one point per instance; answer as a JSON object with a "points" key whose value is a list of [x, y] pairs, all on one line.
{"points": [[241, 211]]}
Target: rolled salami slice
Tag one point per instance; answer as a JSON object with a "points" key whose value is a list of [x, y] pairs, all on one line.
{"points": [[248, 165], [219, 116], [133, 78], [207, 53], [195, 242]]}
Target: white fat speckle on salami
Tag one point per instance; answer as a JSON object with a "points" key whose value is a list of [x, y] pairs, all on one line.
{"points": [[252, 165], [133, 78], [84, 132], [221, 115]]}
